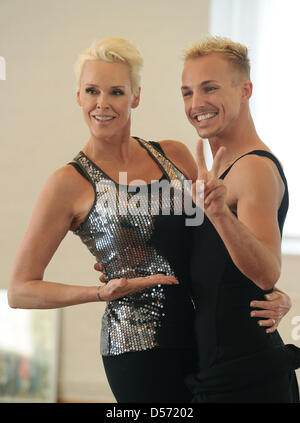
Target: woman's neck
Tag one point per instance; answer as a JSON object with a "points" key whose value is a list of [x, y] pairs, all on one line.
{"points": [[110, 149]]}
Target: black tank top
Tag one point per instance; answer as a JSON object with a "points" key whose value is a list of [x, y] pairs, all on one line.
{"points": [[222, 294], [282, 211]]}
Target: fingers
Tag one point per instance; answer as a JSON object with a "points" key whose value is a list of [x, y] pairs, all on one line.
{"points": [[123, 282], [276, 306], [103, 278], [201, 163], [269, 305], [216, 166], [117, 288], [270, 321], [114, 289], [272, 296], [267, 322], [198, 193], [269, 311], [213, 194], [268, 314], [158, 279], [271, 324], [98, 267]]}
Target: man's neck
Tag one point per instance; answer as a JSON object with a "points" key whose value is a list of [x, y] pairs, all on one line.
{"points": [[238, 140]]}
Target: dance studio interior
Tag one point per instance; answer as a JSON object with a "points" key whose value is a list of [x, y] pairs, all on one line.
{"points": [[53, 355]]}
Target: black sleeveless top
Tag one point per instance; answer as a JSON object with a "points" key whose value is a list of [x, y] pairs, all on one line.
{"points": [[282, 211], [225, 331]]}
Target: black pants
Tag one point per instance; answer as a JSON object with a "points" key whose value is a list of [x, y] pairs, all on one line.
{"points": [[152, 376]]}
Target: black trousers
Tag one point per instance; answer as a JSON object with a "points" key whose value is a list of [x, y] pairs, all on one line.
{"points": [[152, 376], [265, 376]]}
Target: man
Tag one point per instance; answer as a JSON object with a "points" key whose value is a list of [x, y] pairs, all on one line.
{"points": [[216, 91], [236, 252]]}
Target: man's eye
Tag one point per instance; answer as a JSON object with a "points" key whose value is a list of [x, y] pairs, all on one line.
{"points": [[209, 89], [187, 93], [118, 92]]}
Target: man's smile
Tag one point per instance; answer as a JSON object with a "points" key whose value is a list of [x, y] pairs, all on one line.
{"points": [[200, 117]]}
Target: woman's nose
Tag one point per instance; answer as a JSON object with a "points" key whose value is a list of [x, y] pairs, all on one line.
{"points": [[102, 102]]}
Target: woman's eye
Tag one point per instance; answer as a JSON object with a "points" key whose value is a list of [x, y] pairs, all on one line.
{"points": [[187, 93], [90, 90], [118, 92]]}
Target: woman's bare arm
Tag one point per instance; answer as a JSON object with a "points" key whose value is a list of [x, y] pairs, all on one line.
{"points": [[60, 205], [50, 221]]}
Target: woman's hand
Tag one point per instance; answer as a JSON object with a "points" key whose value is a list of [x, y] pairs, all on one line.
{"points": [[117, 288], [99, 268], [277, 305]]}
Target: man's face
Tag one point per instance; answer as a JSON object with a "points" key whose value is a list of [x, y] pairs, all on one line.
{"points": [[212, 94]]}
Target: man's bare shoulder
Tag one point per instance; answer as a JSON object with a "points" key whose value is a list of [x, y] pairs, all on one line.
{"points": [[254, 175], [181, 156]]}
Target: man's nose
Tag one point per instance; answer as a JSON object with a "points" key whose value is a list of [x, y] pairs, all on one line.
{"points": [[198, 100]]}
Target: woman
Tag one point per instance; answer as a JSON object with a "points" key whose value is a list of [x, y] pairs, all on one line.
{"points": [[146, 340]]}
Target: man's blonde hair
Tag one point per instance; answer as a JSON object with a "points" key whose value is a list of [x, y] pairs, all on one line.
{"points": [[115, 50], [235, 53]]}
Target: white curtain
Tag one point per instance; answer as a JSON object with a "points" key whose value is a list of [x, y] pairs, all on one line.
{"points": [[271, 30]]}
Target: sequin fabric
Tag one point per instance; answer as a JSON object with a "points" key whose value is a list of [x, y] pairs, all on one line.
{"points": [[121, 242]]}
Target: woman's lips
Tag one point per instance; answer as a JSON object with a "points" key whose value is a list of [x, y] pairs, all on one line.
{"points": [[103, 118]]}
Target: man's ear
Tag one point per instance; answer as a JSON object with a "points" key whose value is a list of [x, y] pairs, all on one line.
{"points": [[247, 88], [136, 99]]}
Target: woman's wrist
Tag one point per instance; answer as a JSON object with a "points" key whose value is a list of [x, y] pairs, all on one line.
{"points": [[99, 294]]}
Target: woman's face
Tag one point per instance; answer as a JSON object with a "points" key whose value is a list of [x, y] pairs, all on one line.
{"points": [[106, 98]]}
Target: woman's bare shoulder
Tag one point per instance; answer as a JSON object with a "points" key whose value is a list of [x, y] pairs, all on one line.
{"points": [[66, 180], [181, 156]]}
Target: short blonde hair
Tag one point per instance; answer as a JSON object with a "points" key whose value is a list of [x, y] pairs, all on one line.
{"points": [[233, 52], [115, 50]]}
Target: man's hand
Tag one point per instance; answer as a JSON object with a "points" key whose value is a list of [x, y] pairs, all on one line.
{"points": [[277, 305], [214, 189], [118, 288]]}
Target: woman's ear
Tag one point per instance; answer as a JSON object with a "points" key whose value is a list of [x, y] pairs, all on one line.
{"points": [[78, 98], [136, 99]]}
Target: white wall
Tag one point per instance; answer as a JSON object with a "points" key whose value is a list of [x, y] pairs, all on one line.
{"points": [[41, 129]]}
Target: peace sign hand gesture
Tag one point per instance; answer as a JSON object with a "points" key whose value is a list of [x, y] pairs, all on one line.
{"points": [[213, 197]]}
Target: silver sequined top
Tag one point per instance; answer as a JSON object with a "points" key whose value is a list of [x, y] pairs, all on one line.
{"points": [[130, 241]]}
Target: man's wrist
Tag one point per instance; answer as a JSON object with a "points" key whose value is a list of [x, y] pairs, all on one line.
{"points": [[220, 217]]}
